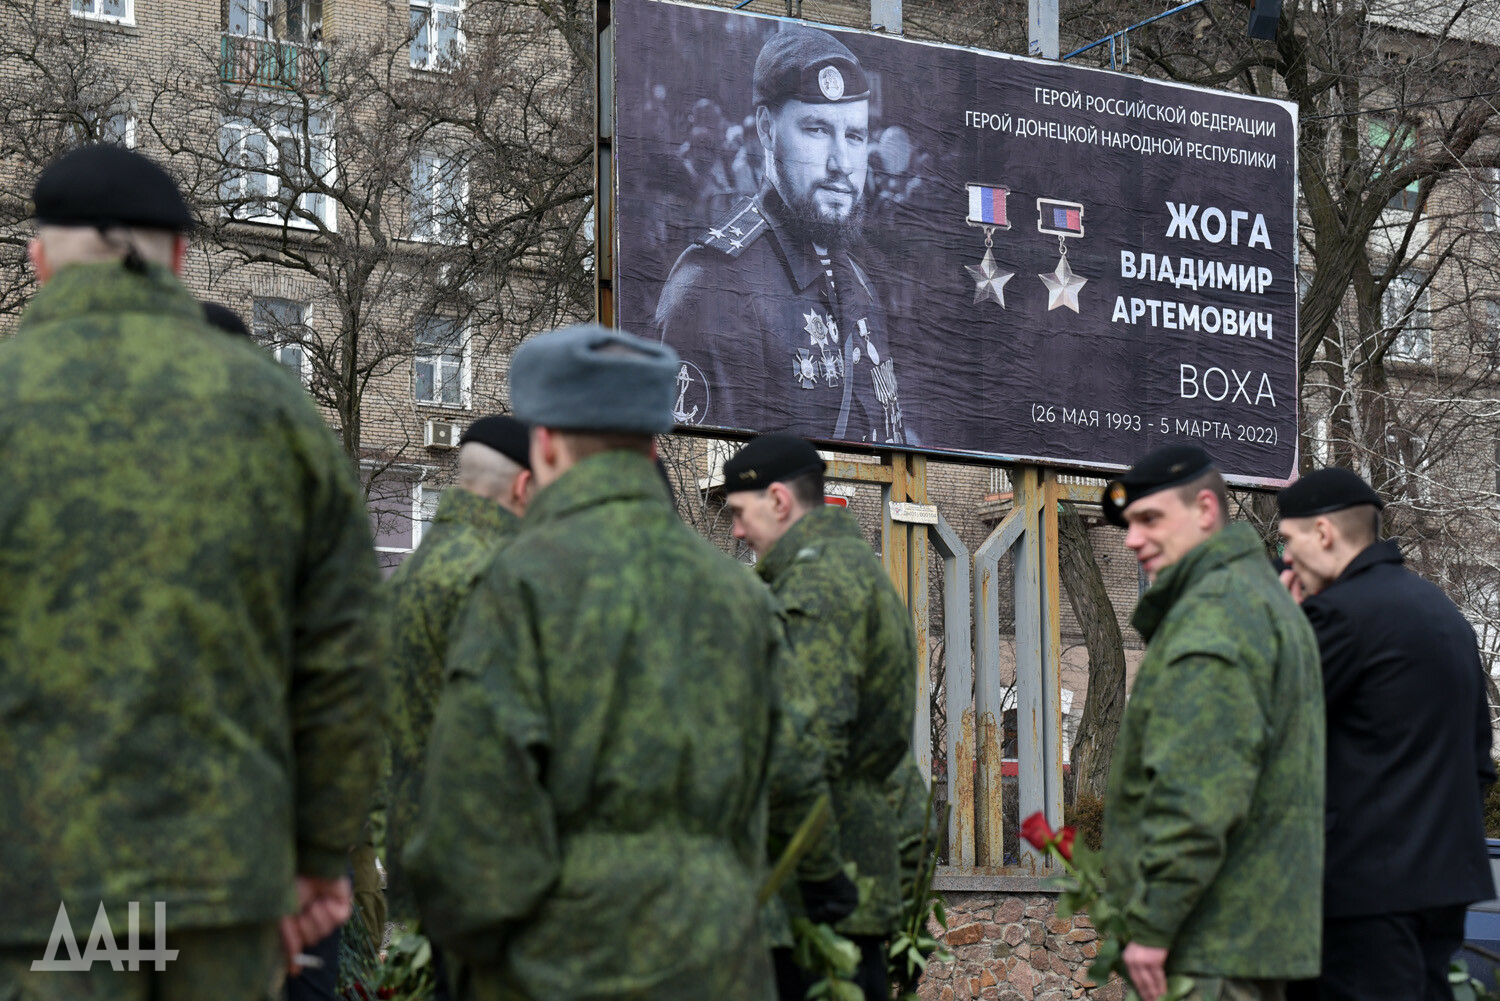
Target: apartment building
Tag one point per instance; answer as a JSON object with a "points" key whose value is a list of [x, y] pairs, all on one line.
{"points": [[390, 194]]}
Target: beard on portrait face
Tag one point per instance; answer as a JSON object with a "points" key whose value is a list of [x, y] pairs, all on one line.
{"points": [[824, 229]]}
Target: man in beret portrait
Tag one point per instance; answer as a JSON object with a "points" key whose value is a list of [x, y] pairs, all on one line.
{"points": [[1408, 749], [854, 658], [190, 692], [770, 306], [593, 819], [1213, 821], [475, 519]]}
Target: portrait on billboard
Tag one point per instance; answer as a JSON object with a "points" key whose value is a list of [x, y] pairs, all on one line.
{"points": [[890, 244], [771, 297]]}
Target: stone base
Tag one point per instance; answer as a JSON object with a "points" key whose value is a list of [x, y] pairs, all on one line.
{"points": [[1013, 947]]}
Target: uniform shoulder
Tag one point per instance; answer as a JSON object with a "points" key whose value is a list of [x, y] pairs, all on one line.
{"points": [[736, 231]]}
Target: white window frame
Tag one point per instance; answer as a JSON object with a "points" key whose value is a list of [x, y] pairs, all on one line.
{"points": [[429, 58], [260, 18], [1413, 322], [428, 499], [465, 366], [277, 347], [93, 11], [236, 130], [416, 479], [95, 134], [430, 200]]}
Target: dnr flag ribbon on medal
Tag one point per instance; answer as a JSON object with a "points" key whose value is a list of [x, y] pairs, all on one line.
{"points": [[987, 206], [1058, 217]]}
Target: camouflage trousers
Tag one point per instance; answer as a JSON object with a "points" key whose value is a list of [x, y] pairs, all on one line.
{"points": [[1231, 989], [241, 963]]}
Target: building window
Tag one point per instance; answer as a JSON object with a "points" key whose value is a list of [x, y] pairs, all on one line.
{"points": [[439, 190], [116, 128], [119, 11], [289, 20], [436, 33], [441, 362], [270, 164], [428, 499], [1406, 308], [282, 327], [1393, 144]]}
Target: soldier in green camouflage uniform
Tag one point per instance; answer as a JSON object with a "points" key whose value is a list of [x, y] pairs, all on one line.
{"points": [[855, 659], [476, 518], [189, 687], [1213, 827], [593, 821]]}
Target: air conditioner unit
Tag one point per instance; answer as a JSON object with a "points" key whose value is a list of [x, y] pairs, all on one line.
{"points": [[442, 434]]}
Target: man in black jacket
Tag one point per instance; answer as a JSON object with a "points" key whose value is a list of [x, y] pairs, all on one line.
{"points": [[1408, 749]]}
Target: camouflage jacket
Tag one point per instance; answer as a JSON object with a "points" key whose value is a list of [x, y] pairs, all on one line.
{"points": [[854, 673], [423, 599], [189, 688], [593, 819], [1213, 827]]}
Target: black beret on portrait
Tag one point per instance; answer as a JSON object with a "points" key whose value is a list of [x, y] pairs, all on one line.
{"points": [[1169, 466], [805, 64]]}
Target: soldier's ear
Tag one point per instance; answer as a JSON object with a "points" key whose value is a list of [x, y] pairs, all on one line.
{"points": [[765, 127]]}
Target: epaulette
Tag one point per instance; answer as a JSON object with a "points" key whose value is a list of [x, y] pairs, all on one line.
{"points": [[741, 227]]}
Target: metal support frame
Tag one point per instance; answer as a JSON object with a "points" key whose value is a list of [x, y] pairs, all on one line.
{"points": [[904, 551], [1119, 41]]}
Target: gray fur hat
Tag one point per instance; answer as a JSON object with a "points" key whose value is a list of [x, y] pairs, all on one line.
{"points": [[591, 378]]}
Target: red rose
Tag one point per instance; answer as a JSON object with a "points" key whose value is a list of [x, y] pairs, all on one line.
{"points": [[1035, 830], [1065, 842]]}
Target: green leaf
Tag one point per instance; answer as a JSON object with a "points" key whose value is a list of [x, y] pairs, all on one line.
{"points": [[843, 990], [939, 912], [1178, 987], [819, 989], [899, 946]]}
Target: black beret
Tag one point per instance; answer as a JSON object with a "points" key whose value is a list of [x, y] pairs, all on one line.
{"points": [[506, 435], [771, 458], [1325, 490], [1169, 466], [107, 185], [805, 64], [225, 319]]}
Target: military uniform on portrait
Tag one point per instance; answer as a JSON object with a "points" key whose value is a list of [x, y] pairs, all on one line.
{"points": [[778, 325], [786, 338]]}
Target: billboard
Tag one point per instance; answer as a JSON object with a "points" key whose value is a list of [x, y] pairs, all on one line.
{"points": [[874, 241]]}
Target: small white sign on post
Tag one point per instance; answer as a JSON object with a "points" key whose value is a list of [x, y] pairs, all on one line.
{"points": [[914, 514]]}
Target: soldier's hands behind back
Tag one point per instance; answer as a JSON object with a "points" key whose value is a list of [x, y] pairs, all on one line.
{"points": [[830, 901], [323, 905]]}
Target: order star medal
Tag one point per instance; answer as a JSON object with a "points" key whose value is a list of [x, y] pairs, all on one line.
{"points": [[987, 210], [1065, 221], [822, 331], [803, 369]]}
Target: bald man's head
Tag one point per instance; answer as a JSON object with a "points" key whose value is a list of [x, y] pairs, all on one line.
{"points": [[56, 247], [483, 471]]}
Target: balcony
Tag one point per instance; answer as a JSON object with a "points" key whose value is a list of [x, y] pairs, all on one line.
{"points": [[273, 64]]}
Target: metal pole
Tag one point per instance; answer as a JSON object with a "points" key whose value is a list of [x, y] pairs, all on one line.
{"points": [[885, 15], [1042, 19]]}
